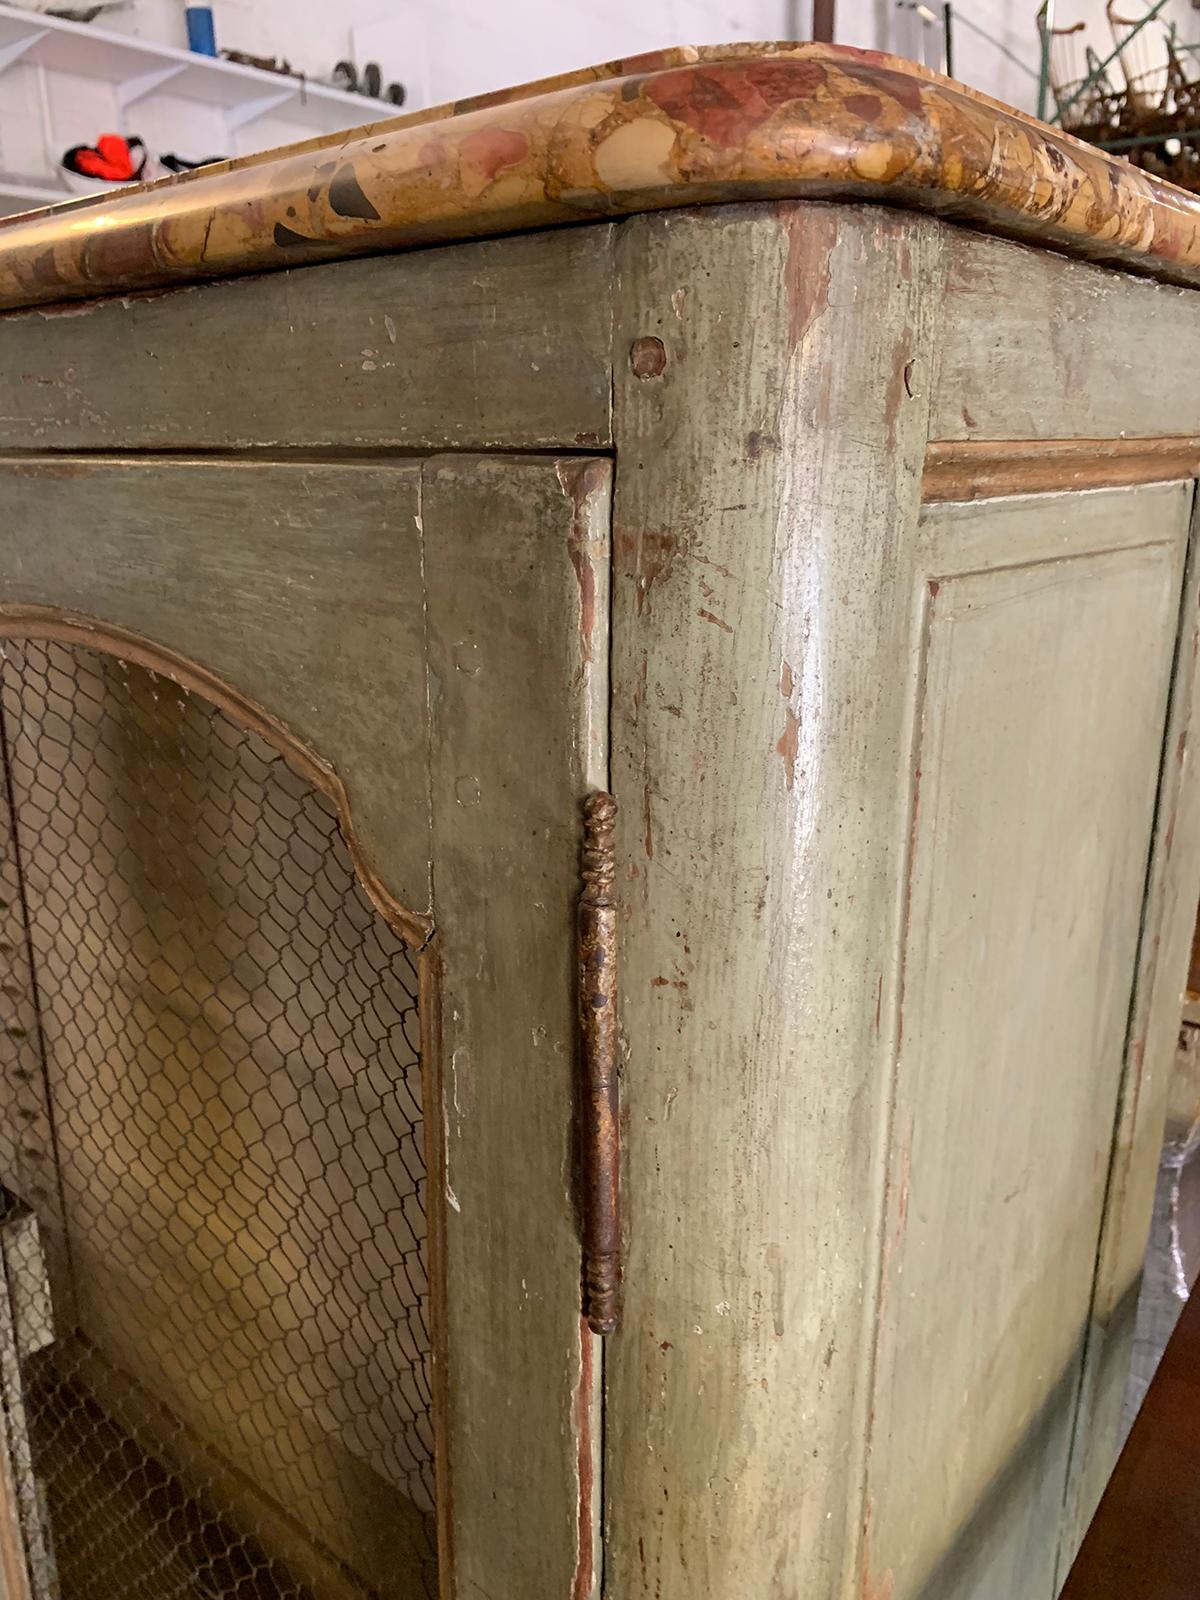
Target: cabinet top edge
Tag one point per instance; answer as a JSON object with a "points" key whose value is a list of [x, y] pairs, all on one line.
{"points": [[676, 127]]}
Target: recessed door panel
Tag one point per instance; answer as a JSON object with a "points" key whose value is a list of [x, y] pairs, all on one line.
{"points": [[1036, 764]]}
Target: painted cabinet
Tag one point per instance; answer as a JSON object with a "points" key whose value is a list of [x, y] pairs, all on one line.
{"points": [[848, 550]]}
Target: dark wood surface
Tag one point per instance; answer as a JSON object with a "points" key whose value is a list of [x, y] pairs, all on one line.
{"points": [[1144, 1541]]}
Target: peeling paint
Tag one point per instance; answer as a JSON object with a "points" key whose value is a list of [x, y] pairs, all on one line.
{"points": [[653, 555], [719, 622], [788, 746], [881, 1588], [811, 238], [648, 357], [583, 1583], [899, 388], [582, 482]]}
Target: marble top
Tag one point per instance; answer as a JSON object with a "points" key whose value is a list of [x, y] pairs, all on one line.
{"points": [[677, 127]]}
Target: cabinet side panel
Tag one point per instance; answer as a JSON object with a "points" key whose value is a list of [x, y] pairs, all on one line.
{"points": [[1167, 928], [1038, 347], [1035, 772], [771, 368]]}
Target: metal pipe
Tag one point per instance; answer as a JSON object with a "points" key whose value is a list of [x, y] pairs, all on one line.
{"points": [[1180, 134], [1098, 71], [823, 20], [1046, 29]]}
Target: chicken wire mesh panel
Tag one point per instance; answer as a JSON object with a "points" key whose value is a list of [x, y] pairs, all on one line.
{"points": [[214, 1338]]}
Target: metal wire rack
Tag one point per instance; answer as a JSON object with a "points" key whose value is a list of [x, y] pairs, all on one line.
{"points": [[214, 1333]]}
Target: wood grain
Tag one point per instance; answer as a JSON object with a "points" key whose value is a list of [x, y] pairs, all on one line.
{"points": [[1015, 995], [972, 469], [762, 631], [516, 563], [1033, 346], [495, 344], [1153, 1032]]}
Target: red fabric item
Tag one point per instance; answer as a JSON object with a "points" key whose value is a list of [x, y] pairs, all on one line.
{"points": [[111, 159]]}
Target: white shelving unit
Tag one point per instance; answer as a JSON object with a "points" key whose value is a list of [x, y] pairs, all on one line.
{"points": [[65, 83]]}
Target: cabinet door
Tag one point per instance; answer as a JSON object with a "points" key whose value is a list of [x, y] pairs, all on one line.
{"points": [[1045, 677], [516, 562], [293, 762]]}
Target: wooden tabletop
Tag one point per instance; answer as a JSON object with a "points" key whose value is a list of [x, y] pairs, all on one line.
{"points": [[1144, 1542], [679, 127]]}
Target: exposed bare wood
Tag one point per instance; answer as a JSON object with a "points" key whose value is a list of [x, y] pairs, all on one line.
{"points": [[977, 469], [14, 1570]]}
